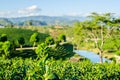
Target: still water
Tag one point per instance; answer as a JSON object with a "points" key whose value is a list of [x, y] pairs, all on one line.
{"points": [[90, 55]]}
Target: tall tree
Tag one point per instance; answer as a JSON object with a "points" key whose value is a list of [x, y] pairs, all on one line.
{"points": [[97, 29], [99, 32]]}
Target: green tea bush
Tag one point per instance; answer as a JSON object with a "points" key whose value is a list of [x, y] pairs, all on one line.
{"points": [[45, 69]]}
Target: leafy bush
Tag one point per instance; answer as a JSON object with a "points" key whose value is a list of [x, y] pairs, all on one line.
{"points": [[60, 52], [34, 39], [68, 46], [3, 38], [49, 41], [5, 48], [62, 37], [21, 41], [42, 50]]}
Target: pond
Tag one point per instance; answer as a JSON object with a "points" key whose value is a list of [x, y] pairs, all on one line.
{"points": [[91, 55]]}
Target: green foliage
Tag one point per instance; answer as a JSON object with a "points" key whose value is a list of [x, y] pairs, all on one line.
{"points": [[3, 37], [56, 52], [21, 41], [86, 70], [34, 38], [49, 41], [43, 69], [1, 49], [112, 44], [118, 53], [62, 37], [57, 43], [61, 52], [42, 50], [109, 44], [68, 47], [6, 47], [117, 43]]}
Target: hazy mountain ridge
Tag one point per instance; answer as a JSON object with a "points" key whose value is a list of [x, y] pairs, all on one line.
{"points": [[4, 21], [44, 20]]}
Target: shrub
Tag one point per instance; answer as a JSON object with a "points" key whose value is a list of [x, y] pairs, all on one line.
{"points": [[34, 39], [3, 37], [21, 41], [62, 37], [49, 41]]}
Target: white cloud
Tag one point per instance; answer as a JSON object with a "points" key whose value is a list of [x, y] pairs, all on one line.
{"points": [[78, 14], [30, 10], [5, 13]]}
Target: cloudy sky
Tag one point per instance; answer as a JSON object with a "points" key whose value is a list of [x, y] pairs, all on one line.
{"points": [[18, 8]]}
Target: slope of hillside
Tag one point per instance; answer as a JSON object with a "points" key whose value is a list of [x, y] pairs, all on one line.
{"points": [[14, 34]]}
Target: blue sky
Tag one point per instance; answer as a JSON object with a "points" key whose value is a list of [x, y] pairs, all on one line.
{"points": [[18, 8]]}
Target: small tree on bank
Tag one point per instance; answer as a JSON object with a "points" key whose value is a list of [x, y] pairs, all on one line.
{"points": [[21, 42]]}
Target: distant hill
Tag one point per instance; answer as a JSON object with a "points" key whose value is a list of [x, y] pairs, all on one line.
{"points": [[4, 21], [31, 22], [45, 20]]}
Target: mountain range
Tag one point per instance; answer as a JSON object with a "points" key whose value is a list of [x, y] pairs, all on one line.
{"points": [[41, 20]]}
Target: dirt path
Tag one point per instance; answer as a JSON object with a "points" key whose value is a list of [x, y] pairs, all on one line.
{"points": [[26, 48]]}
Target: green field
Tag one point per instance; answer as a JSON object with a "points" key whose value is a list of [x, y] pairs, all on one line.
{"points": [[14, 34]]}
